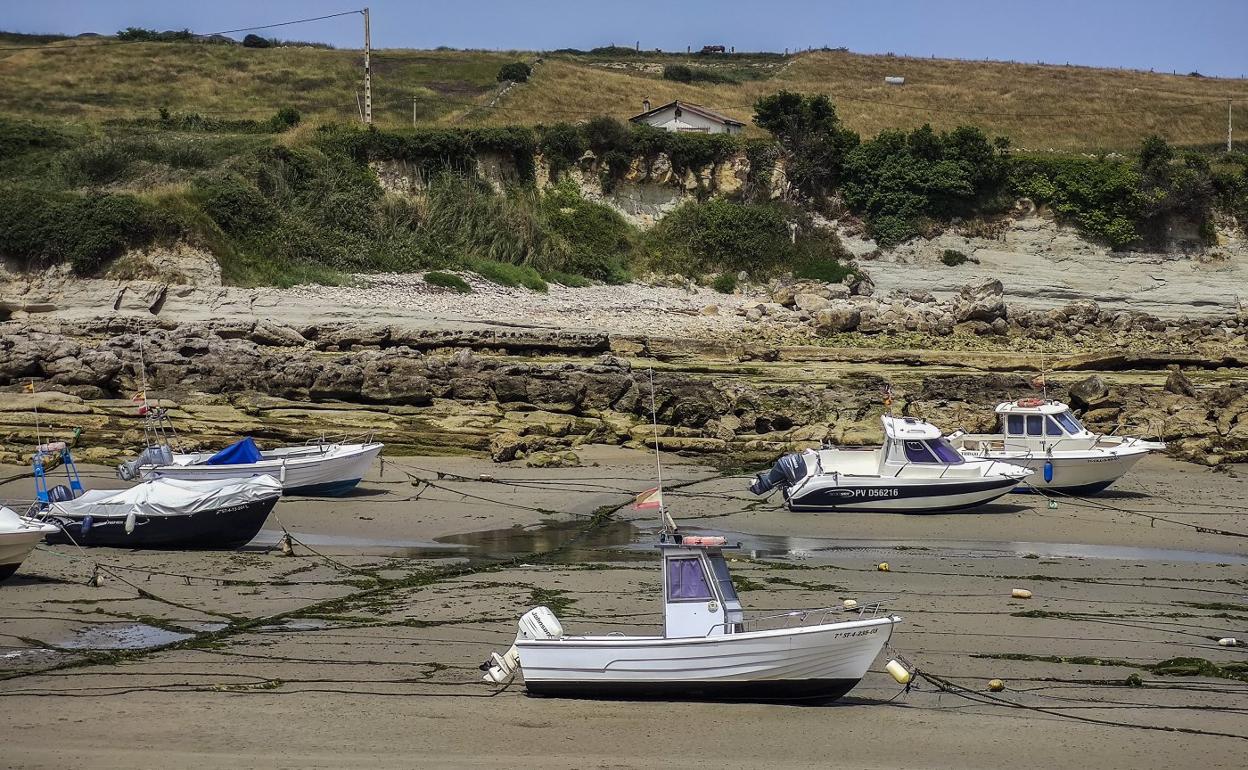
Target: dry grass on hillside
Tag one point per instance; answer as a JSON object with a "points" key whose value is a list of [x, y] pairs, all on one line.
{"points": [[1003, 98], [1039, 107]]}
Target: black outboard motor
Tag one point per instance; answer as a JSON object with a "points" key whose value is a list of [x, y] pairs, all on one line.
{"points": [[788, 470]]}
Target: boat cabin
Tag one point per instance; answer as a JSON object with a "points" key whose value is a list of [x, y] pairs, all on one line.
{"points": [[911, 440], [1037, 419], [698, 596]]}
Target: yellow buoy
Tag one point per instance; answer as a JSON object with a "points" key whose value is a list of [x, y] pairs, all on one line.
{"points": [[1020, 593], [1228, 641], [882, 566], [995, 685], [849, 604], [899, 672]]}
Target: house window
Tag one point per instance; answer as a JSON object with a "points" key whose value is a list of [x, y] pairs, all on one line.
{"points": [[1035, 425], [1014, 424], [686, 581]]}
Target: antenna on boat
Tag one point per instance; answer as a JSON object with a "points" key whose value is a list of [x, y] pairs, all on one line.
{"points": [[142, 371], [30, 388], [664, 517]]}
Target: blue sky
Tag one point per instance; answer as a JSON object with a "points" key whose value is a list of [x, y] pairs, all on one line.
{"points": [[1204, 35]]}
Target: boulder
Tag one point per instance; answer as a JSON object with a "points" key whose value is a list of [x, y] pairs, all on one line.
{"points": [[1179, 384], [983, 302], [1087, 392], [566, 459], [811, 303], [270, 334], [839, 317]]}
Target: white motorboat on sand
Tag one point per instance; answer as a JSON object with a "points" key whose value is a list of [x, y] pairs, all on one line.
{"points": [[1060, 453], [18, 537], [314, 469], [915, 471], [708, 649]]}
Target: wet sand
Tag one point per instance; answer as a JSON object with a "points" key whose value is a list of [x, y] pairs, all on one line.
{"points": [[364, 652]]}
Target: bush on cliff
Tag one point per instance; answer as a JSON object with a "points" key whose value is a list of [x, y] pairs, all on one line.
{"points": [[38, 227]]}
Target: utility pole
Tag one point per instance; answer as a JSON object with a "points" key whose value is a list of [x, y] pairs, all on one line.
{"points": [[1228, 126], [414, 98], [368, 75]]}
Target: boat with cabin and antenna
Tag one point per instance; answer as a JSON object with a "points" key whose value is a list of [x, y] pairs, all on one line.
{"points": [[708, 649], [1060, 454], [917, 470]]}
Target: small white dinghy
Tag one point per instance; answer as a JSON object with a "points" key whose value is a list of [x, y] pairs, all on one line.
{"points": [[916, 471], [1061, 454], [18, 537], [315, 469], [708, 650]]}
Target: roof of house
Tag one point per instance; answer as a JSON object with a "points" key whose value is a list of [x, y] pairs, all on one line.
{"points": [[696, 109]]}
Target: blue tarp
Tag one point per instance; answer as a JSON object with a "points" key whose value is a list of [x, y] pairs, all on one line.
{"points": [[241, 452]]}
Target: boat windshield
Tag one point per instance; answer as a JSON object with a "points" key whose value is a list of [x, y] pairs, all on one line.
{"points": [[686, 580], [944, 451], [917, 452], [1068, 422], [720, 567]]}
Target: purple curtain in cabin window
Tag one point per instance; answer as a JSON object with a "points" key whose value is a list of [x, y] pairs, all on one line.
{"points": [[944, 451], [686, 580]]}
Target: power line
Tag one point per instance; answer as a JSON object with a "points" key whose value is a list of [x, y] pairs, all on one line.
{"points": [[52, 47]]}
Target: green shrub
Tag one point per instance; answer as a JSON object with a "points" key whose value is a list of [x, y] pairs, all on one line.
{"points": [[678, 72], [506, 274], [725, 283], [517, 72], [233, 203], [18, 137], [953, 257], [447, 281], [1101, 196], [285, 118], [96, 163], [140, 34], [598, 243], [724, 237], [812, 136], [38, 227], [255, 41], [898, 178], [604, 134], [562, 145]]}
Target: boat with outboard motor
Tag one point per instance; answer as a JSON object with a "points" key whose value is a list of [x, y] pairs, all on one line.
{"points": [[1061, 454], [319, 468], [916, 471], [708, 649], [167, 513], [18, 537], [157, 513]]}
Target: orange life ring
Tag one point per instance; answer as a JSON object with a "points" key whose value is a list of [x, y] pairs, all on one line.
{"points": [[1028, 403]]}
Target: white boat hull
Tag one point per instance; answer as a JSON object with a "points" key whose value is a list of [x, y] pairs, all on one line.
{"points": [[818, 662], [16, 546], [1085, 473], [893, 495], [315, 470]]}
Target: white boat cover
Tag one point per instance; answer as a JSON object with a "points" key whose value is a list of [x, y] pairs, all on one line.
{"points": [[170, 497]]}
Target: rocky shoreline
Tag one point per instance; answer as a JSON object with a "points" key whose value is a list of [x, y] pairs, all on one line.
{"points": [[534, 394]]}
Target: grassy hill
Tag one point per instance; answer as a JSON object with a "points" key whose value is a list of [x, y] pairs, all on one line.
{"points": [[1039, 107]]}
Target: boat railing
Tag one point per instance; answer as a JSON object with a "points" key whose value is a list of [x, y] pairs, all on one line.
{"points": [[327, 440], [801, 618]]}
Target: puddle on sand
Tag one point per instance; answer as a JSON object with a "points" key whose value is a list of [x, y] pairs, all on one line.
{"points": [[268, 538], [816, 549], [578, 543], [128, 636]]}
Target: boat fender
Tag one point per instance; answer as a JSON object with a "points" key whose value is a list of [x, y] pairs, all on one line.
{"points": [[87, 521], [1228, 641], [899, 672], [995, 685], [1020, 593], [850, 604], [1048, 471], [282, 472], [130, 523], [882, 566]]}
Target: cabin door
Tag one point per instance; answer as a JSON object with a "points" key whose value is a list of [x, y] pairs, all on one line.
{"points": [[691, 608]]}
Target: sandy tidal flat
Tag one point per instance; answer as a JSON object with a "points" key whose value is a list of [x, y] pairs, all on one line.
{"points": [[362, 648]]}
